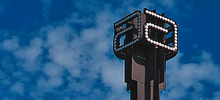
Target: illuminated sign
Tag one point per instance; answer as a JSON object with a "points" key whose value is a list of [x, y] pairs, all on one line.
{"points": [[144, 27], [172, 31], [123, 28]]}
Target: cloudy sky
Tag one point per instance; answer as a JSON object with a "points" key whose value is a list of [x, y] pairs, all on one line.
{"points": [[62, 49]]}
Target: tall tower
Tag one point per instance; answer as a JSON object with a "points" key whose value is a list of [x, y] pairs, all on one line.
{"points": [[145, 41]]}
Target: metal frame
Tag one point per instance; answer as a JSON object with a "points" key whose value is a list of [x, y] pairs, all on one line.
{"points": [[145, 50], [136, 14]]}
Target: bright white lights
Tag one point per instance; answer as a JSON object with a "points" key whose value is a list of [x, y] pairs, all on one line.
{"points": [[150, 25], [136, 14]]}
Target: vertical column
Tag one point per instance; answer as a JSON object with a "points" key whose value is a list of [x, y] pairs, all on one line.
{"points": [[144, 73]]}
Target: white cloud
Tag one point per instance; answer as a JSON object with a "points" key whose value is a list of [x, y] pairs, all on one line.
{"points": [[77, 60], [10, 44], [52, 69], [216, 96], [28, 56], [32, 52], [70, 61], [2, 75], [48, 84], [112, 75], [168, 3], [187, 79], [18, 88], [60, 50]]}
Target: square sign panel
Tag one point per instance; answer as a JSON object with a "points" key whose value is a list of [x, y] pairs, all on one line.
{"points": [[127, 32], [170, 31], [145, 27]]}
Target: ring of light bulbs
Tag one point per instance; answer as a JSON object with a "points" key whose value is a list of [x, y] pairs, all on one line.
{"points": [[169, 21], [173, 48], [129, 17]]}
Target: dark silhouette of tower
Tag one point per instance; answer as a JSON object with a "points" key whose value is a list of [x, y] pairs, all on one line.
{"points": [[145, 41]]}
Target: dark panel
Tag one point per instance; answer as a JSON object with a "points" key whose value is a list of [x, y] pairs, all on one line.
{"points": [[161, 67], [134, 90], [128, 63]]}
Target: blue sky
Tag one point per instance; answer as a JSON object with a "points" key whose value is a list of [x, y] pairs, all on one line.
{"points": [[62, 49]]}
